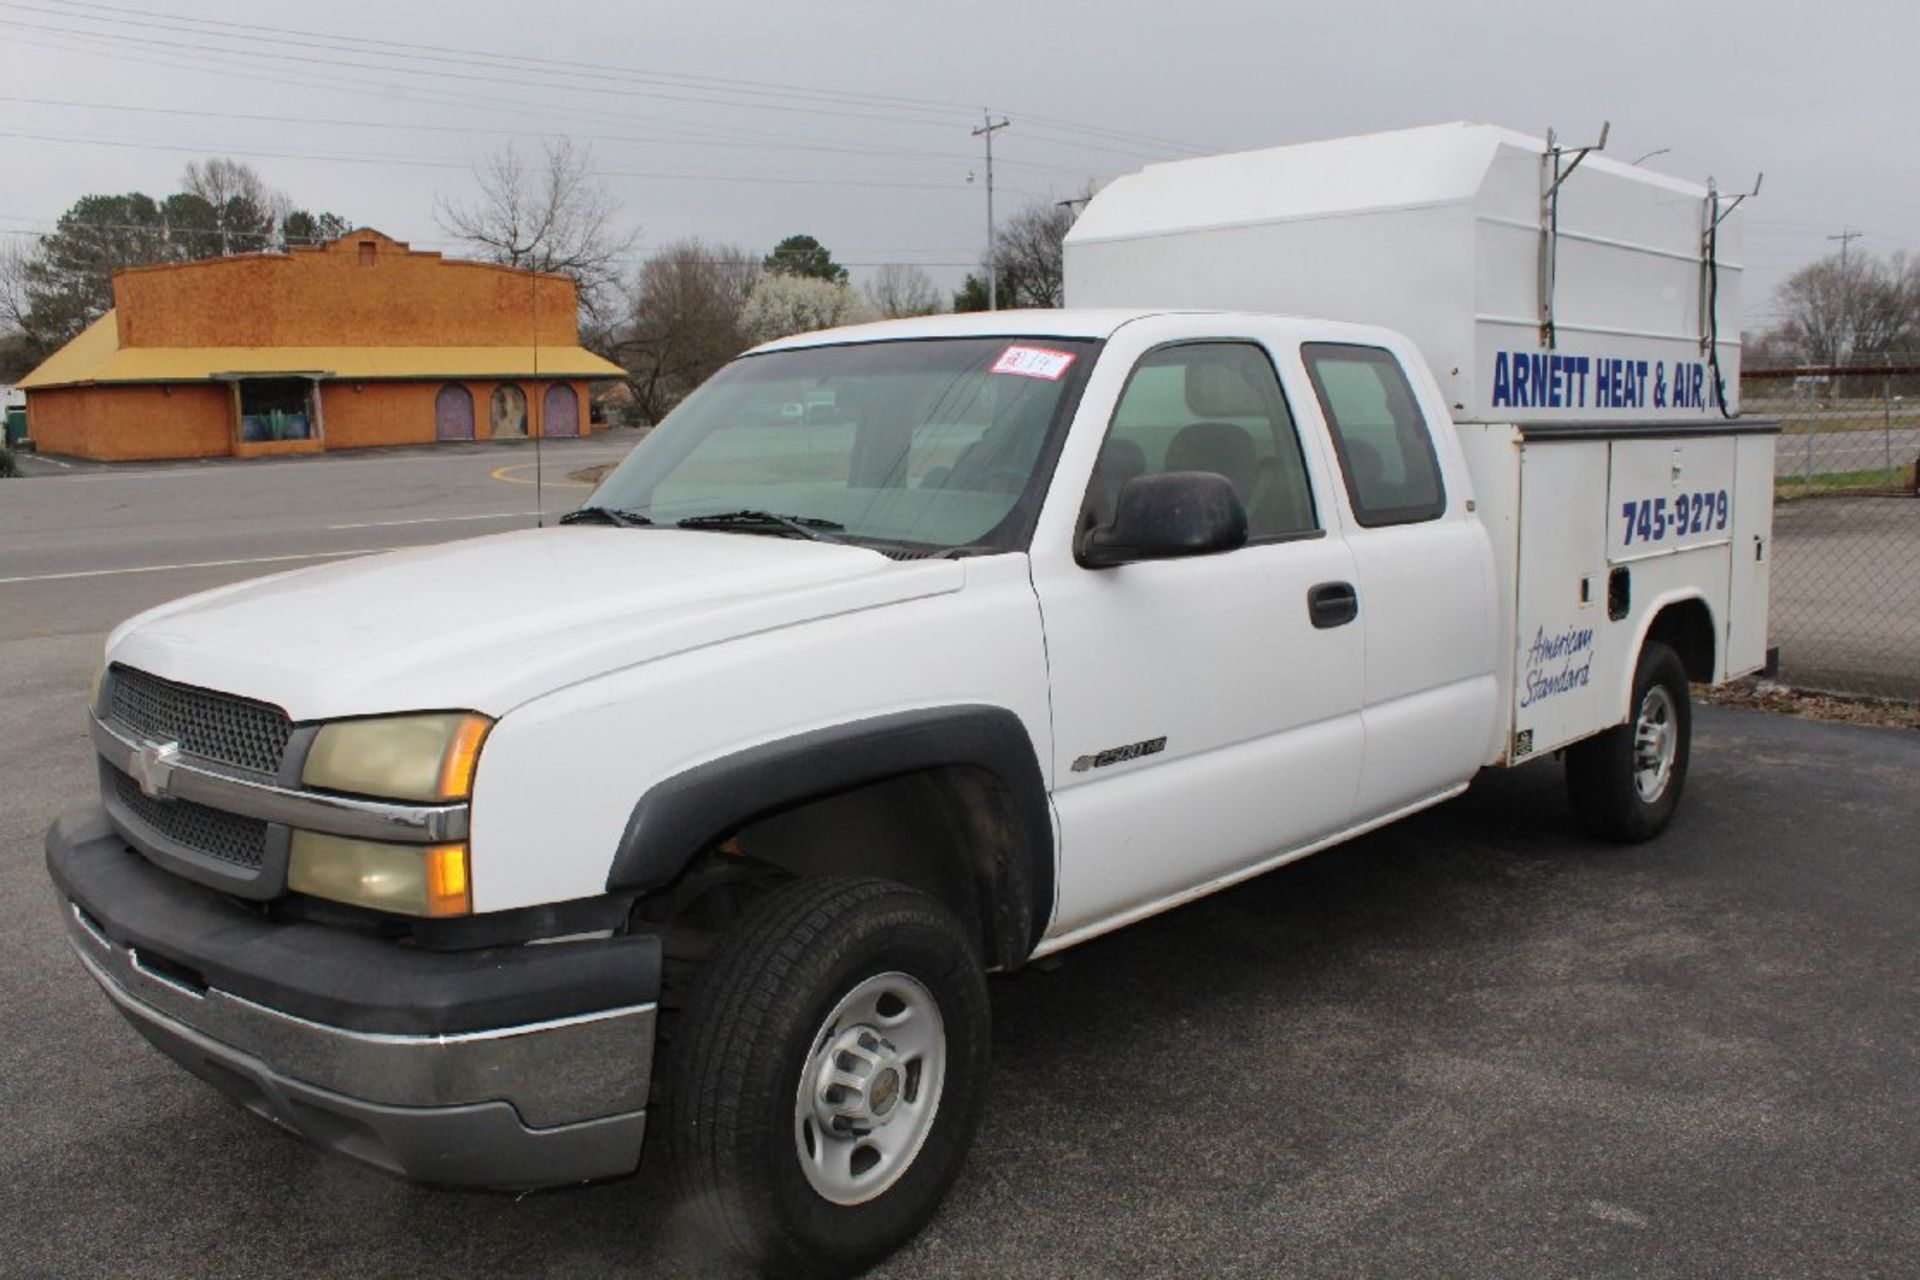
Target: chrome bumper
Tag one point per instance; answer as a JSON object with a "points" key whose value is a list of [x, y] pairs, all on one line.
{"points": [[511, 1107]]}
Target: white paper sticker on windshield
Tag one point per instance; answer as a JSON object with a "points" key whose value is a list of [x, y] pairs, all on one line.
{"points": [[1033, 362]]}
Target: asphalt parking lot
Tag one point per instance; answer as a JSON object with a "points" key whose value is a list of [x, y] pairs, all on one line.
{"points": [[1477, 1043]]}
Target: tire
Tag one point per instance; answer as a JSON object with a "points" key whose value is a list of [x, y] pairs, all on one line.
{"points": [[1625, 784], [769, 1043]]}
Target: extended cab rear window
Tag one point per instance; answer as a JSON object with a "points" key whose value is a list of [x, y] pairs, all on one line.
{"points": [[1386, 449]]}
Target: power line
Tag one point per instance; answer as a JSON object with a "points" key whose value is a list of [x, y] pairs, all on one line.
{"points": [[280, 79], [309, 59], [573, 67], [402, 126], [569, 66], [570, 85], [932, 109], [425, 162]]}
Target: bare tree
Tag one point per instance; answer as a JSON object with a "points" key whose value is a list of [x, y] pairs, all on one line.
{"points": [[241, 213], [1028, 255], [1862, 309], [683, 320], [15, 307], [551, 214], [899, 289], [19, 350]]}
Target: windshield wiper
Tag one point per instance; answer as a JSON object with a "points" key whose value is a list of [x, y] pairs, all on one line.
{"points": [[606, 515], [806, 526]]}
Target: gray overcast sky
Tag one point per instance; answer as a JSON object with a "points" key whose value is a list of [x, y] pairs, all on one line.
{"points": [[874, 159]]}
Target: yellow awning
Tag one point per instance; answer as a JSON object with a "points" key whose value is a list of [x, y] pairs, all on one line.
{"points": [[96, 356]]}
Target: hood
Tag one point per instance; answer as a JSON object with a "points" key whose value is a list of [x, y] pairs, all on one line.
{"points": [[492, 622]]}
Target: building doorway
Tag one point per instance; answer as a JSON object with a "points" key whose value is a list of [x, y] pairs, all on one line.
{"points": [[560, 415], [507, 416], [453, 413]]}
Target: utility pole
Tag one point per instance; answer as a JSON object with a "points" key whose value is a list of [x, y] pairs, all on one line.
{"points": [[1845, 238], [1843, 345], [986, 131]]}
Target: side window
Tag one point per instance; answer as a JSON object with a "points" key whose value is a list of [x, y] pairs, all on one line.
{"points": [[1386, 451], [1209, 406]]}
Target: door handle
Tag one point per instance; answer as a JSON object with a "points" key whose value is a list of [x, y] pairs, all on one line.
{"points": [[1332, 604]]}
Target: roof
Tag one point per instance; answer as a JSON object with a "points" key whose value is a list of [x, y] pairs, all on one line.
{"points": [[356, 236], [1083, 322], [96, 356]]}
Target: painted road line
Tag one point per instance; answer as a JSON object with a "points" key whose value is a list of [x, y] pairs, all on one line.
{"points": [[225, 466], [198, 564], [505, 476], [388, 524]]}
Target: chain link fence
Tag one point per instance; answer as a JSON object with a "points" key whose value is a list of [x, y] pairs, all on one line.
{"points": [[1846, 526]]}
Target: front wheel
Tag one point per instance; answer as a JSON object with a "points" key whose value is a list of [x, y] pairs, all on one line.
{"points": [[1625, 783], [824, 1084]]}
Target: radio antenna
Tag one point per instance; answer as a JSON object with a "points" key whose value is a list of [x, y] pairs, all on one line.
{"points": [[539, 472]]}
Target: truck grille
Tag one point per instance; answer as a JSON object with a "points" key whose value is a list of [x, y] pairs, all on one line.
{"points": [[213, 726], [214, 832]]}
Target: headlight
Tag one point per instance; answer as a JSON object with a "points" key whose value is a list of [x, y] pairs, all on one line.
{"points": [[408, 879], [424, 757], [95, 689]]}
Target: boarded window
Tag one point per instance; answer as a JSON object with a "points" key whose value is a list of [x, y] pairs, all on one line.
{"points": [[453, 413], [560, 414]]}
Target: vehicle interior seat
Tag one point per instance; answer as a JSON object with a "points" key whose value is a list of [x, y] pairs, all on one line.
{"points": [[1219, 447]]}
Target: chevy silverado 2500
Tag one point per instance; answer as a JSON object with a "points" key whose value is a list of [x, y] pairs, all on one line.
{"points": [[904, 654]]}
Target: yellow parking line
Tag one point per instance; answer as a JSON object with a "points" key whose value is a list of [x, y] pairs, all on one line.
{"points": [[505, 476]]}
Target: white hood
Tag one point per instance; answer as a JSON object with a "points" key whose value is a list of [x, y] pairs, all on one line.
{"points": [[490, 623]]}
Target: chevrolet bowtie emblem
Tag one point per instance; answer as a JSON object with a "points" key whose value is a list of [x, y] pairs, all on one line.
{"points": [[152, 768]]}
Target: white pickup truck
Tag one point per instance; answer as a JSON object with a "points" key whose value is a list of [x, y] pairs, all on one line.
{"points": [[897, 656]]}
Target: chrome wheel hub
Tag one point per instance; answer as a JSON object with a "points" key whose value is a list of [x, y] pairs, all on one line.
{"points": [[870, 1088], [1656, 742]]}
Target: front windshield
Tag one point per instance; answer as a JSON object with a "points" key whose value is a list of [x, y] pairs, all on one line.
{"points": [[919, 444]]}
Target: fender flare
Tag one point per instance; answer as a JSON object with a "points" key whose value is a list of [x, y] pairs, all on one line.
{"points": [[681, 815], [1623, 699]]}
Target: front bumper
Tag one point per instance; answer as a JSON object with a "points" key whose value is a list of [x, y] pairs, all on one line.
{"points": [[508, 1068]]}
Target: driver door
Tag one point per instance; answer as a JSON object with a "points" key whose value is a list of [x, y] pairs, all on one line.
{"points": [[1206, 716]]}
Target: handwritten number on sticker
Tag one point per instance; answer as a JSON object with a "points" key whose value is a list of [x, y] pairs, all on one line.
{"points": [[1033, 362]]}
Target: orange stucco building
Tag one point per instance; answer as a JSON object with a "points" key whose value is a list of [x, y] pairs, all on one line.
{"points": [[359, 342]]}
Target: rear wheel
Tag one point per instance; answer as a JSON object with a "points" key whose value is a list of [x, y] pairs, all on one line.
{"points": [[1625, 784], [823, 1086]]}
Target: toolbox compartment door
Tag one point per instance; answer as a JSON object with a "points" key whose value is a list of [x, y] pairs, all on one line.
{"points": [[1752, 552], [1669, 494], [1562, 660]]}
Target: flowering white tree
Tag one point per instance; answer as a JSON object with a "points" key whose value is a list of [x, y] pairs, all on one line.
{"points": [[780, 305]]}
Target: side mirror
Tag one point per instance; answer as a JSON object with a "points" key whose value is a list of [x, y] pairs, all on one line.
{"points": [[1181, 513]]}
